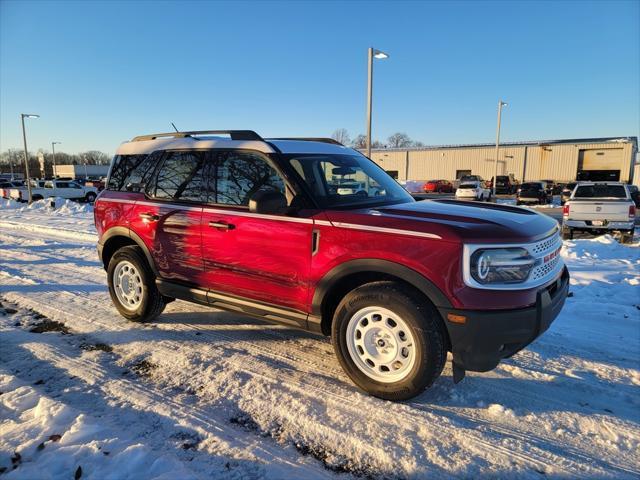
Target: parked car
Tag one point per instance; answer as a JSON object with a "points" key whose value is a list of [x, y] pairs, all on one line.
{"points": [[252, 225], [473, 190], [6, 186], [41, 189], [505, 184], [97, 183], [635, 194], [533, 193], [566, 192], [600, 207], [438, 186]]}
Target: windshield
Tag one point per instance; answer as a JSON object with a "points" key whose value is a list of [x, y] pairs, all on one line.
{"points": [[600, 191], [347, 180]]}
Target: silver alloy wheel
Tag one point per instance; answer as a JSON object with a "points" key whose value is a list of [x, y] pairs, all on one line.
{"points": [[127, 283], [381, 344]]}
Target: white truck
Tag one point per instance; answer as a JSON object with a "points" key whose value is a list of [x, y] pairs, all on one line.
{"points": [[55, 188], [599, 207]]}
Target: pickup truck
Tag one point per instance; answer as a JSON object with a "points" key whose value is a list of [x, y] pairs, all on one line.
{"points": [[599, 207], [55, 188]]}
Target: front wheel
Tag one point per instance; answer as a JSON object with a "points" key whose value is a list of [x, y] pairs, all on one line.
{"points": [[389, 341], [132, 286], [90, 197]]}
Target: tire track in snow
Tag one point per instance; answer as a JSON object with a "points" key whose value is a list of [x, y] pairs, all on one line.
{"points": [[339, 399]]}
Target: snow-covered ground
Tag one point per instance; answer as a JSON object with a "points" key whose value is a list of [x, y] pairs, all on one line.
{"points": [[206, 394]]}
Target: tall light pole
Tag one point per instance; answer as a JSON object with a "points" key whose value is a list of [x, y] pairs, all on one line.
{"points": [[373, 53], [495, 165], [11, 163], [53, 151], [26, 155]]}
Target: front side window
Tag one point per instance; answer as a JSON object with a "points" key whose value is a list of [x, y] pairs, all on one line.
{"points": [[181, 177], [344, 180], [239, 175]]}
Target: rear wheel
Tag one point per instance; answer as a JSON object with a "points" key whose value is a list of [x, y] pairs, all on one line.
{"points": [[90, 197], [389, 341], [567, 233], [132, 286]]}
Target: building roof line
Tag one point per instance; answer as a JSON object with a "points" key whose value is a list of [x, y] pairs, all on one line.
{"points": [[622, 139]]}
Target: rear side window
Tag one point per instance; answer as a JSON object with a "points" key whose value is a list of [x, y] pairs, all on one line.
{"points": [[600, 191], [131, 172], [241, 174], [181, 177]]}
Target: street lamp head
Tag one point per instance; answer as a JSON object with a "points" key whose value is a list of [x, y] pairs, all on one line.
{"points": [[503, 104], [380, 54], [29, 115], [56, 143]]}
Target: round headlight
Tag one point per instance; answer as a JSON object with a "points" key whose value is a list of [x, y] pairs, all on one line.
{"points": [[484, 262], [501, 265]]}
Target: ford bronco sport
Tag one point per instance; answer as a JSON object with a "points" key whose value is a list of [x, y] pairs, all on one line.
{"points": [[266, 228]]}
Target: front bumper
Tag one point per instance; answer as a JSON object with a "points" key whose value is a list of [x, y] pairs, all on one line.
{"points": [[586, 225], [489, 336]]}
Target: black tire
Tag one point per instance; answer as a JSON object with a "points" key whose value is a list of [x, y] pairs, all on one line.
{"points": [[567, 233], [90, 197], [35, 198], [425, 326], [152, 302]]}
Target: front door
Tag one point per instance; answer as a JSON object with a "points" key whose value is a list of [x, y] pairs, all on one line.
{"points": [[258, 256]]}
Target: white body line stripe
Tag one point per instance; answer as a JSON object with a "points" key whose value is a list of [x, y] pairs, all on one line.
{"points": [[211, 210], [352, 226], [324, 223], [368, 228]]}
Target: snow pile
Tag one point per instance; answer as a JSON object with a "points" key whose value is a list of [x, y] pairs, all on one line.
{"points": [[52, 205], [227, 396], [43, 438]]}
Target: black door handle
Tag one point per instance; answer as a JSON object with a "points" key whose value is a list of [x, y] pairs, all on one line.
{"points": [[222, 225]]}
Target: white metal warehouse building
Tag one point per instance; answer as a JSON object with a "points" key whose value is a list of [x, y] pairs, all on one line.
{"points": [[559, 160]]}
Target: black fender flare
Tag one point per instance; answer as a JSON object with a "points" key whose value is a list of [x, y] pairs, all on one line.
{"points": [[412, 277], [126, 232]]}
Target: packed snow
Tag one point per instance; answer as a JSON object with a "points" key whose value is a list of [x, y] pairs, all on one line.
{"points": [[201, 393]]}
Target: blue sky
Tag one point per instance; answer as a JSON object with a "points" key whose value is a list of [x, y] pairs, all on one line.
{"points": [[99, 73]]}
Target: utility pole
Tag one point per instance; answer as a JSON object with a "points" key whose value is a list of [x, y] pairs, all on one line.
{"points": [[53, 151], [26, 154], [372, 53], [495, 165]]}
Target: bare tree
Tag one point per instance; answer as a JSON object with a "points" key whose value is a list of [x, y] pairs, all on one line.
{"points": [[341, 135], [360, 143], [399, 140]]}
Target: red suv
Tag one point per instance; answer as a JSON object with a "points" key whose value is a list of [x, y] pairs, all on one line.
{"points": [[438, 186], [264, 227]]}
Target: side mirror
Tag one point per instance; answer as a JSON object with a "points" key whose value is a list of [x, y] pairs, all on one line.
{"points": [[267, 201]]}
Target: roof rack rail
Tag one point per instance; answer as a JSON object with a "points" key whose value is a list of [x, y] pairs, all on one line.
{"points": [[311, 139], [234, 134]]}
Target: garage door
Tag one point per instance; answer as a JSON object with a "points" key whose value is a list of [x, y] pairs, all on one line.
{"points": [[605, 159]]}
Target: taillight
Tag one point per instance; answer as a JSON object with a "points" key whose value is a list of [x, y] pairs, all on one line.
{"points": [[632, 211], [565, 210]]}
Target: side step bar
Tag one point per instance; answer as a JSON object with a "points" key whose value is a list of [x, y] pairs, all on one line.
{"points": [[231, 303]]}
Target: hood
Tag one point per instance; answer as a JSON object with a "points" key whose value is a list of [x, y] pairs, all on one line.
{"points": [[467, 222]]}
